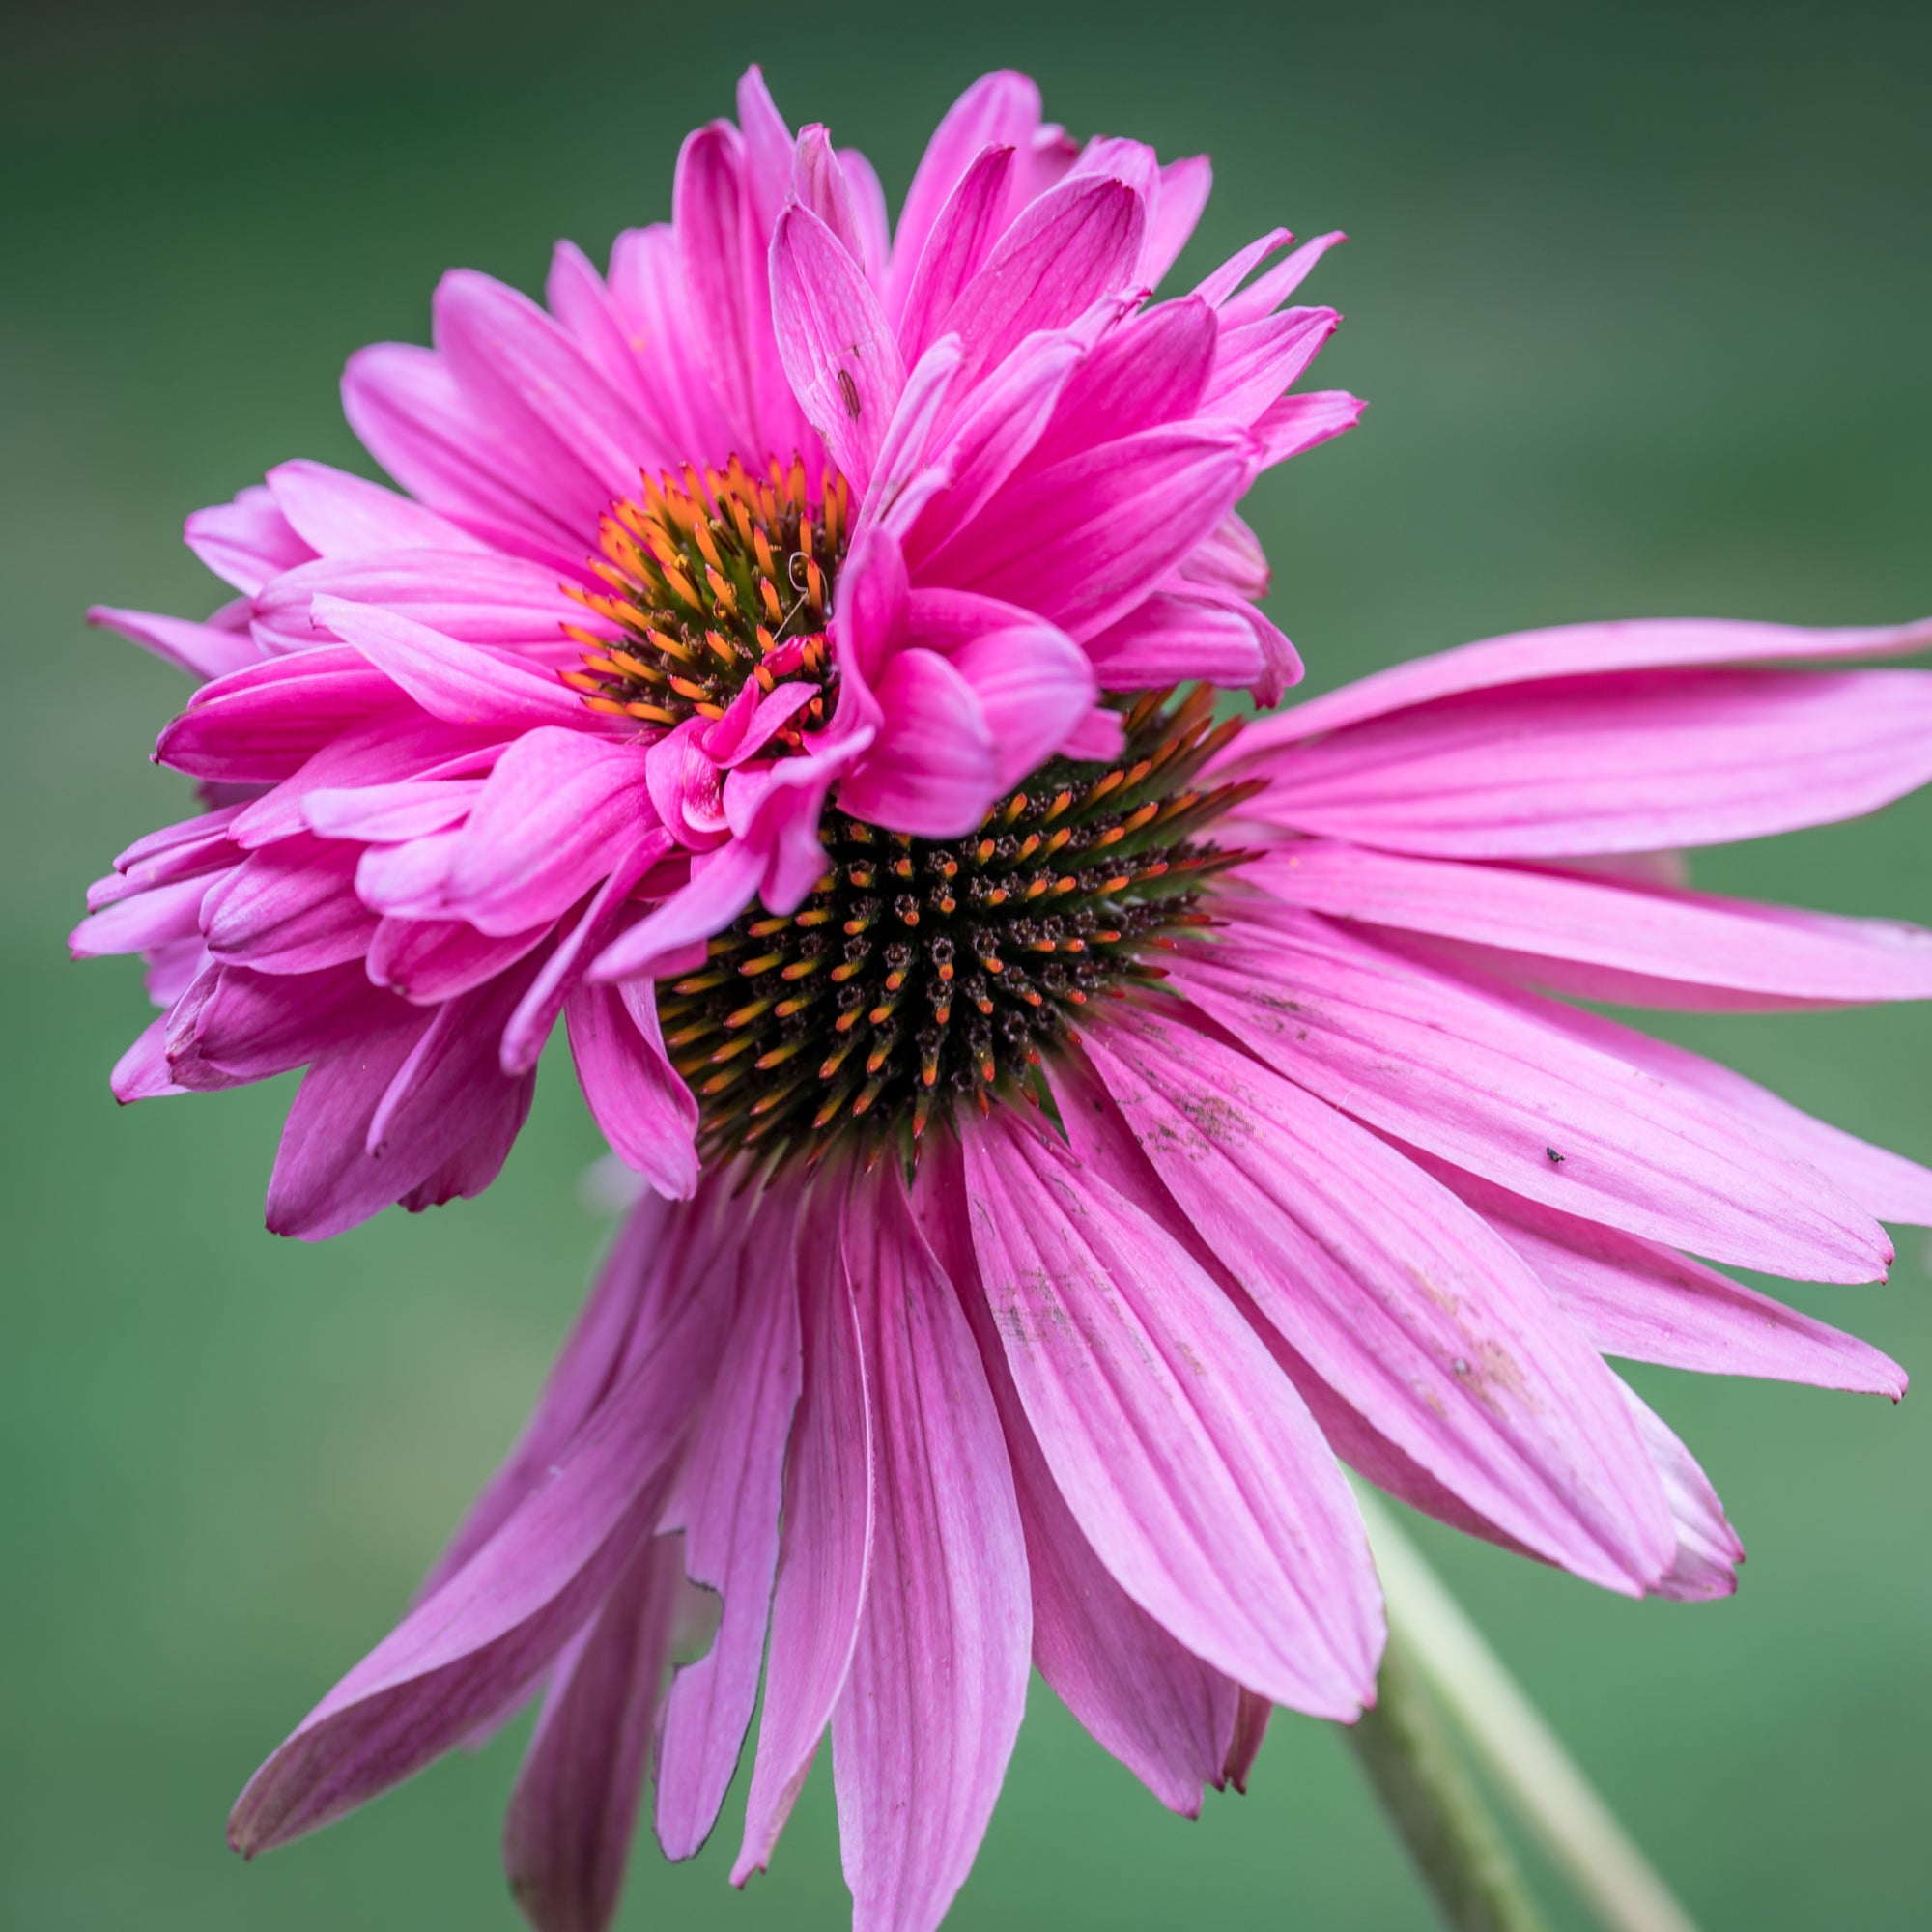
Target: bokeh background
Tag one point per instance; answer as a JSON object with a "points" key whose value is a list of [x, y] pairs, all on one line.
{"points": [[1640, 296]]}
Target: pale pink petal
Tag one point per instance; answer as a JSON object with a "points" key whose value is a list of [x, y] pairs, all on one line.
{"points": [[1572, 650], [903, 481], [922, 1731], [1631, 762], [647, 290], [1397, 1296], [1485, 1081], [573, 1813], [1183, 1453], [340, 515], [1301, 422], [825, 1558], [1708, 1549], [1603, 940], [475, 598]]}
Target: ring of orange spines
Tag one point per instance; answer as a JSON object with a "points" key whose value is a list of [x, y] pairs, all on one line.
{"points": [[713, 580], [922, 974]]}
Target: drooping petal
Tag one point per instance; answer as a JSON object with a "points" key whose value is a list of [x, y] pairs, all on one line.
{"points": [[1182, 1452], [825, 1558], [933, 770], [1402, 1300], [647, 1114], [1034, 685], [202, 650], [922, 1731]]}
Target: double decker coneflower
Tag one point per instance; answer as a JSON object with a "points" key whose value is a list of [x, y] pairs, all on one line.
{"points": [[1078, 1122]]}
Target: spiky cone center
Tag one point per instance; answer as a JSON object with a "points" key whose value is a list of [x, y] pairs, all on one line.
{"points": [[714, 581], [925, 975]]}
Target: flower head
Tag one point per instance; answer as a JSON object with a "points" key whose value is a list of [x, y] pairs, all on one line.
{"points": [[783, 524], [1079, 1127]]}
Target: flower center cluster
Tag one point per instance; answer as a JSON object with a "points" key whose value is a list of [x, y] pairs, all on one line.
{"points": [[920, 973], [714, 581]]}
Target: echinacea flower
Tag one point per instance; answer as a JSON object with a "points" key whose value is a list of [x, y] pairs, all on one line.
{"points": [[780, 511], [1080, 1127]]}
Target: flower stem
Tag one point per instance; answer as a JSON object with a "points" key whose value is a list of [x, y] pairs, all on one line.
{"points": [[1430, 1634], [1433, 1805]]}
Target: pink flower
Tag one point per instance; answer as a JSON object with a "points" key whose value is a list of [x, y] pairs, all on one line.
{"points": [[782, 511], [1314, 1172], [1078, 1128]]}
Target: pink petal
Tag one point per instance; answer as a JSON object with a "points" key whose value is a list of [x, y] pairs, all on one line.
{"points": [[722, 885], [647, 290], [926, 1723], [1646, 945], [202, 650], [246, 542], [143, 920], [645, 1112], [262, 723], [340, 515], [476, 599], [1182, 1452], [1254, 364], [956, 250], [998, 110], [1299, 423], [1708, 1549], [903, 481], [461, 684], [1219, 284], [1184, 188], [826, 1555], [1077, 243], [834, 342], [1570, 650], [384, 814], [429, 961], [289, 908], [1484, 1081], [1082, 542], [1403, 1301], [712, 246], [1629, 762], [1155, 1706], [727, 1506], [1171, 639], [567, 1835], [477, 1643], [933, 770], [252, 1026], [869, 216], [1269, 290], [1034, 685], [819, 184]]}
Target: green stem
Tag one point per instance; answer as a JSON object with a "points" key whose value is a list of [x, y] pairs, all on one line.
{"points": [[1432, 1802]]}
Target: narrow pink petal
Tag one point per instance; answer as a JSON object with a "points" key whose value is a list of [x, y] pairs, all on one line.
{"points": [[461, 684], [998, 110], [1626, 762], [825, 1558], [720, 888], [1647, 946], [1396, 1295], [646, 1113], [1251, 1723], [728, 1507], [836, 347], [554, 817], [144, 920], [477, 1643], [1077, 243], [870, 627], [1484, 1081], [382, 813], [246, 542], [933, 770], [1152, 369], [589, 312], [1269, 290], [1034, 685], [923, 1729], [818, 183], [340, 515], [289, 908], [1300, 422], [1182, 1452], [903, 480], [1228, 559], [1255, 363], [646, 287], [264, 721], [141, 1073], [202, 650], [1648, 1304], [475, 598], [1219, 283], [1153, 1704], [870, 218], [573, 1813], [1572, 650], [1082, 542], [956, 250], [1184, 188], [428, 961], [415, 421], [708, 218]]}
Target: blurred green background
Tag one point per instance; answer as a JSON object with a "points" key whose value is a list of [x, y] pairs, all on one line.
{"points": [[1640, 296]]}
